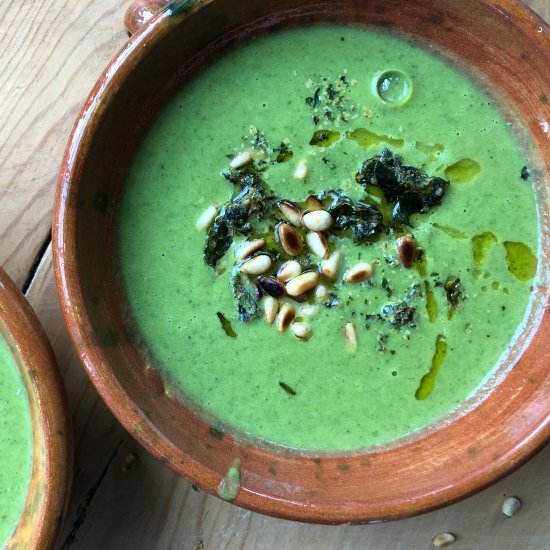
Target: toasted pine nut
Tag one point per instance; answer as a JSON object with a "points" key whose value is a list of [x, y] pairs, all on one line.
{"points": [[302, 169], [290, 239], [285, 317], [271, 308], [289, 270], [350, 336], [248, 248], [302, 283], [291, 212], [330, 267], [406, 248], [257, 265], [207, 217], [317, 220], [317, 243], [443, 539], [321, 293], [241, 159], [309, 310], [270, 285], [359, 272], [301, 330], [313, 203]]}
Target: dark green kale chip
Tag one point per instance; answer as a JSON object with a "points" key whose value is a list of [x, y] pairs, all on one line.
{"points": [[406, 186], [235, 215], [399, 315], [314, 101], [363, 220], [454, 291], [247, 305]]}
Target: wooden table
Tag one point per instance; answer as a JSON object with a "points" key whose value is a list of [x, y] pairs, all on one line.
{"points": [[52, 51]]}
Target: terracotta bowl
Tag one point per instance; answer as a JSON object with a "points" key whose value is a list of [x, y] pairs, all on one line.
{"points": [[52, 435], [503, 40]]}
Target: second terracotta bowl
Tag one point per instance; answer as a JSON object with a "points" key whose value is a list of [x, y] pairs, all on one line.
{"points": [[50, 480], [502, 40]]}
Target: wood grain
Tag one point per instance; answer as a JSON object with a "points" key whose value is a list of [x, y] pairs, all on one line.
{"points": [[52, 52]]}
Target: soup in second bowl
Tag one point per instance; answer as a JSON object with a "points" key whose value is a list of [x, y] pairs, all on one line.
{"points": [[17, 443]]}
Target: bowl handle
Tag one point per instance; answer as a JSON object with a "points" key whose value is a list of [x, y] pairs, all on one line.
{"points": [[140, 11]]}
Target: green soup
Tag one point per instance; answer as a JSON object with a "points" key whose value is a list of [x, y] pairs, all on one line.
{"points": [[427, 335], [16, 440]]}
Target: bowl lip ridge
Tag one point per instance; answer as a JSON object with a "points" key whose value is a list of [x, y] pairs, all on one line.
{"points": [[114, 394], [35, 355]]}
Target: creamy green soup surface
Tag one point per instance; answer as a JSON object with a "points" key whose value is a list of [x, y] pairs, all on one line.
{"points": [[17, 446], [427, 335]]}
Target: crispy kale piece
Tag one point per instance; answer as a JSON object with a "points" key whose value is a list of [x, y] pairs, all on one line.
{"points": [[399, 315], [363, 220], [454, 292], [402, 313], [406, 186], [247, 305], [235, 215]]}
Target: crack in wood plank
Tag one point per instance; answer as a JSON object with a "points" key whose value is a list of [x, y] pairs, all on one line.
{"points": [[37, 261], [82, 509]]}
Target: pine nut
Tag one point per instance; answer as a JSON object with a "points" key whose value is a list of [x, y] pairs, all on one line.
{"points": [[317, 243], [248, 248], [359, 272], [290, 239], [257, 265], [320, 293], [291, 212], [302, 169], [309, 310], [302, 283], [511, 506], [271, 286], [330, 267], [271, 308], [350, 336], [289, 270], [241, 159], [301, 330], [406, 248], [317, 220], [300, 298], [443, 539], [285, 317], [313, 203], [206, 218]]}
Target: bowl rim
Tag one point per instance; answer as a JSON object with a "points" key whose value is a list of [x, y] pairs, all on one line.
{"points": [[47, 497], [114, 394]]}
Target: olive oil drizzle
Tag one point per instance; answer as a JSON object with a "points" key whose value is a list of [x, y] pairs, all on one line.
{"points": [[431, 306], [427, 382]]}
